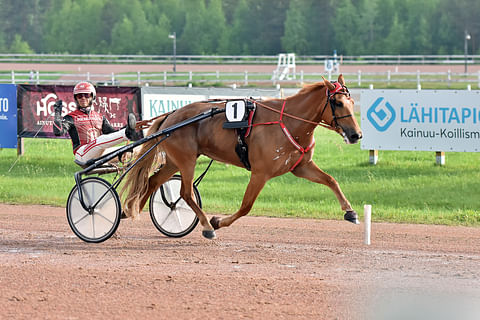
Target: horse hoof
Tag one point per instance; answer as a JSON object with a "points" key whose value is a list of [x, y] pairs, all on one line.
{"points": [[215, 222], [209, 234], [351, 216]]}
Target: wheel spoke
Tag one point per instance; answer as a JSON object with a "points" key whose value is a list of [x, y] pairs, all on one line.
{"points": [[104, 201], [179, 219], [93, 225], [166, 217], [81, 218], [75, 195], [168, 193], [98, 213]]}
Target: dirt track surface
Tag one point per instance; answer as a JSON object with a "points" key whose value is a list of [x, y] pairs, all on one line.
{"points": [[259, 268]]}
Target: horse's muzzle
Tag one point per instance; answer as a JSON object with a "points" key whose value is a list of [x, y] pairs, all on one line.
{"points": [[351, 136]]}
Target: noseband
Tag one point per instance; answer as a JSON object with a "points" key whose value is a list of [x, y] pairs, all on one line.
{"points": [[340, 89]]}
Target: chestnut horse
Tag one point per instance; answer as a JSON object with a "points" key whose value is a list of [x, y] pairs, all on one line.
{"points": [[281, 141]]}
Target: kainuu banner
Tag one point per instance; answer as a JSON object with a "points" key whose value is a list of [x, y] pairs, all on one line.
{"points": [[8, 116], [160, 100], [427, 120]]}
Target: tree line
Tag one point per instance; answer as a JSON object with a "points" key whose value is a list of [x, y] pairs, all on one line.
{"points": [[239, 27]]}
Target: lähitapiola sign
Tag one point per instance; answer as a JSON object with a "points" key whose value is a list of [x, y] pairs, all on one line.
{"points": [[428, 120], [8, 116]]}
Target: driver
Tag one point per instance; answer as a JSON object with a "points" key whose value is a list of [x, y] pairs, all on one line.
{"points": [[91, 133]]}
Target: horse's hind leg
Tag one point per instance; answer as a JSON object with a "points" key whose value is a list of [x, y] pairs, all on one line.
{"points": [[185, 162], [312, 172], [255, 185], [186, 191], [156, 180]]}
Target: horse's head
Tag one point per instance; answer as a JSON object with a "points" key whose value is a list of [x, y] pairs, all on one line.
{"points": [[342, 117]]}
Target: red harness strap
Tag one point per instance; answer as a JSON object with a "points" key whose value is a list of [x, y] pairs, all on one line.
{"points": [[289, 137], [250, 118]]}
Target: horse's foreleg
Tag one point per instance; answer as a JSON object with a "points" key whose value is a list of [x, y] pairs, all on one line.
{"points": [[312, 172], [256, 184]]}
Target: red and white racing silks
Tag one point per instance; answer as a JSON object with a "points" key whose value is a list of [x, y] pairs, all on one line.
{"points": [[90, 132], [88, 125]]}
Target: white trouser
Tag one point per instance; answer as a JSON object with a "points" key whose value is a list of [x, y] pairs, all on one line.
{"points": [[95, 148]]}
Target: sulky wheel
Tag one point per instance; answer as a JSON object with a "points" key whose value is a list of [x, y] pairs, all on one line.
{"points": [[103, 217], [170, 214]]}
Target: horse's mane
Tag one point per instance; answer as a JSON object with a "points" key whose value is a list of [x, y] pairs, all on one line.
{"points": [[312, 87]]}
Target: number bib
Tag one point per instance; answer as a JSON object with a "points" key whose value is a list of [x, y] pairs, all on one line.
{"points": [[236, 113]]}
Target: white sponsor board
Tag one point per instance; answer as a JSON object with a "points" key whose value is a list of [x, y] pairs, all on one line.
{"points": [[157, 104], [427, 120], [160, 100]]}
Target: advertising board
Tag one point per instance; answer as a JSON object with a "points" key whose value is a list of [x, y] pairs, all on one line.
{"points": [[8, 116], [35, 104], [160, 100], [425, 120]]}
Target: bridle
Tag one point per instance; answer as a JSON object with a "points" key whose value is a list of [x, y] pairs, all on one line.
{"points": [[340, 89]]}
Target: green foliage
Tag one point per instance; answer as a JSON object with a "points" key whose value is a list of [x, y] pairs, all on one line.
{"points": [[296, 27], [244, 27], [268, 19], [194, 33], [349, 32], [120, 33], [23, 21], [20, 46], [215, 26], [240, 32]]}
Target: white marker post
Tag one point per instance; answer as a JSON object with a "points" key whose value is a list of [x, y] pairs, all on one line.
{"points": [[367, 220]]}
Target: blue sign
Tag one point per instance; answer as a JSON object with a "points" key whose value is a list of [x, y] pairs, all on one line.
{"points": [[8, 116]]}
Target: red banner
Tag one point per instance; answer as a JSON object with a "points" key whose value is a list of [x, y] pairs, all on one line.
{"points": [[35, 106]]}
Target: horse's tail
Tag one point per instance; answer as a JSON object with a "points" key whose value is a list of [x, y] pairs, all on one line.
{"points": [[136, 181]]}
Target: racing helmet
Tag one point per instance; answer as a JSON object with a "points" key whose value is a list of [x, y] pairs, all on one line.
{"points": [[84, 87]]}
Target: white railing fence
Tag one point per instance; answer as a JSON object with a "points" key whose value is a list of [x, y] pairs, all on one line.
{"points": [[356, 79]]}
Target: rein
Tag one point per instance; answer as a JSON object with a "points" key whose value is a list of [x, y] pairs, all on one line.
{"points": [[302, 150], [321, 123]]}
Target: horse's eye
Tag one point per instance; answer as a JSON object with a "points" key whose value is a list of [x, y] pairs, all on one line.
{"points": [[337, 103]]}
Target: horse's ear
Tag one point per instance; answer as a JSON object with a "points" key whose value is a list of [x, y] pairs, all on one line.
{"points": [[329, 85], [341, 80]]}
